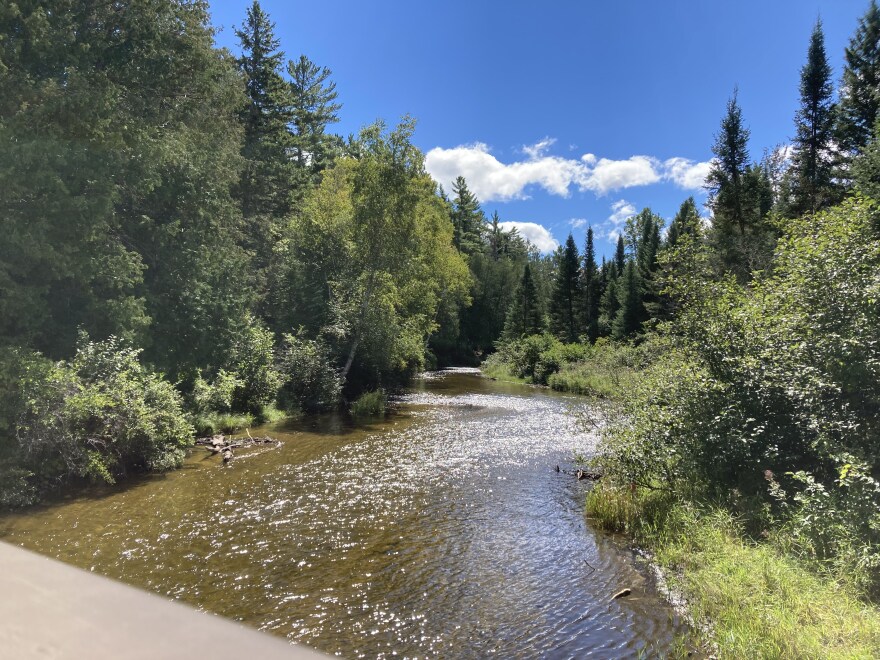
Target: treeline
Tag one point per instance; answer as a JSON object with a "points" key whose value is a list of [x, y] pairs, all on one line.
{"points": [[186, 244], [762, 401]]}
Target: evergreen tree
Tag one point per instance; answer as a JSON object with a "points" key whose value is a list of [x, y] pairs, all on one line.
{"points": [[566, 298], [313, 109], [628, 320], [524, 316], [859, 100], [812, 186], [591, 289], [467, 218], [268, 174], [685, 222], [619, 256], [728, 169], [866, 167]]}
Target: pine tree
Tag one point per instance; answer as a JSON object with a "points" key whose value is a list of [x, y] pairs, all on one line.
{"points": [[859, 100], [728, 169], [590, 287], [629, 318], [686, 222], [566, 297], [619, 256], [812, 187], [266, 181], [313, 109], [524, 316], [467, 218]]}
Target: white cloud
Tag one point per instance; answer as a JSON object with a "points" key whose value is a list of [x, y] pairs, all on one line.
{"points": [[686, 173], [536, 234], [605, 175], [578, 223], [620, 211], [492, 180]]}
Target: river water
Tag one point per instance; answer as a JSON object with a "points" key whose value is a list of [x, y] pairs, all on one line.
{"points": [[441, 531]]}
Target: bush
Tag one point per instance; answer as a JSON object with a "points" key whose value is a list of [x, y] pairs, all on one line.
{"points": [[369, 404], [310, 382], [97, 416], [253, 363]]}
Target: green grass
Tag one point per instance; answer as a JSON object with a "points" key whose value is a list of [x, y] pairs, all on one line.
{"points": [[214, 422], [500, 372], [758, 602], [369, 404], [590, 378]]}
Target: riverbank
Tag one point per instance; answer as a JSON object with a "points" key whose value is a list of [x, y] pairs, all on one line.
{"points": [[748, 581], [746, 599]]}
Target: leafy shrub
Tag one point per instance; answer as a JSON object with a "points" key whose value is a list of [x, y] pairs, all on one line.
{"points": [[311, 383], [253, 363], [369, 404], [98, 416]]}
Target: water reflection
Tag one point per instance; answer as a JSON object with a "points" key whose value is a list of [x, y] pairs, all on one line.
{"points": [[442, 531]]}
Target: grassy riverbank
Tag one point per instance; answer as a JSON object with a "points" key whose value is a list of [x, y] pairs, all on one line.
{"points": [[748, 599]]}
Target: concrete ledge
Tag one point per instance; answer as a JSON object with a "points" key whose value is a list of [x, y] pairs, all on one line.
{"points": [[51, 610]]}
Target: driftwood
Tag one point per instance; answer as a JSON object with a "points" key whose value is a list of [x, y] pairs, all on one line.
{"points": [[220, 444], [582, 473], [621, 594]]}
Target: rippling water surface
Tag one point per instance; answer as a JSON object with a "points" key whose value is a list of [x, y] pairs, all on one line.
{"points": [[442, 531]]}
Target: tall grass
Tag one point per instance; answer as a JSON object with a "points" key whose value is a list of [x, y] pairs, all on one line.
{"points": [[759, 602]]}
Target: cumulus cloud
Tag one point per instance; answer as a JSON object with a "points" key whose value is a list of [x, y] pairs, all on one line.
{"points": [[686, 173], [492, 180], [534, 233], [578, 223], [620, 211]]}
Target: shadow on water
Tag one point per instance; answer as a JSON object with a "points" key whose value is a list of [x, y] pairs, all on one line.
{"points": [[440, 530]]}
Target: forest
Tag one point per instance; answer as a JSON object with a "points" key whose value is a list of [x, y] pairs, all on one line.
{"points": [[188, 248]]}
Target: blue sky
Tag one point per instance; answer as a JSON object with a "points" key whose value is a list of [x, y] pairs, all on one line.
{"points": [[563, 113]]}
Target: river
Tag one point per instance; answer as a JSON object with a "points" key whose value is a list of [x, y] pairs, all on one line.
{"points": [[443, 530]]}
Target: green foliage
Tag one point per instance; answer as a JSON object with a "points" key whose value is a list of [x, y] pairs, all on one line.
{"points": [[311, 383], [565, 301], [97, 416], [859, 103], [369, 404], [253, 363], [757, 602], [768, 393], [812, 186]]}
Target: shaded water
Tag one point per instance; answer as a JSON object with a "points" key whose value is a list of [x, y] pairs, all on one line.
{"points": [[442, 531]]}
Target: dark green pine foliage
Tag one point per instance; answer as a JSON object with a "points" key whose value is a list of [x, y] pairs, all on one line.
{"points": [[646, 263], [728, 171], [859, 100], [121, 144], [524, 316], [619, 256], [866, 167], [591, 289], [314, 108], [628, 320], [812, 186], [269, 176], [566, 299], [685, 223], [467, 218]]}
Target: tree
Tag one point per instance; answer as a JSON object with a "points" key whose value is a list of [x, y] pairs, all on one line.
{"points": [[268, 176], [591, 289], [812, 185], [628, 320], [725, 180], [686, 222], [619, 256], [467, 218], [566, 300], [524, 317], [859, 101], [313, 109]]}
